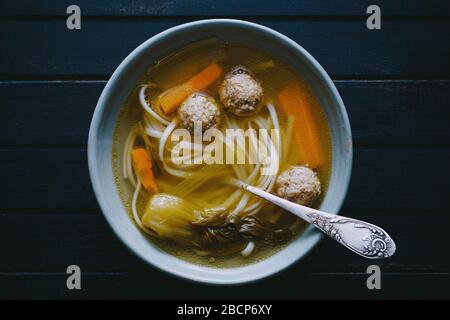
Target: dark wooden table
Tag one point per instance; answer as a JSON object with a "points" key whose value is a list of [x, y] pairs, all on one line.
{"points": [[395, 85]]}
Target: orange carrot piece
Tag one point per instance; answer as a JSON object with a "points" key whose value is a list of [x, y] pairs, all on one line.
{"points": [[294, 101], [170, 99], [142, 165]]}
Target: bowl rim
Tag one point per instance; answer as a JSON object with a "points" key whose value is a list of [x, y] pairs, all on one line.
{"points": [[93, 147]]}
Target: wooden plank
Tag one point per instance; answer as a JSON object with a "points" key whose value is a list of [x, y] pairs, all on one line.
{"points": [[50, 113], [383, 180], [27, 244], [228, 8], [397, 113], [288, 285], [345, 48]]}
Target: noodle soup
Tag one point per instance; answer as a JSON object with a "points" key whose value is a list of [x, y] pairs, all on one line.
{"points": [[185, 199]]}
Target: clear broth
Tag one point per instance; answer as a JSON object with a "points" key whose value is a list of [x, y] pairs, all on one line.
{"points": [[180, 66]]}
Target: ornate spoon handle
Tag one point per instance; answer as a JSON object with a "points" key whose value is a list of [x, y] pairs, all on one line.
{"points": [[361, 237]]}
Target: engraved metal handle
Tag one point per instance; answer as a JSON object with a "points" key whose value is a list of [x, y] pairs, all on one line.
{"points": [[361, 237]]}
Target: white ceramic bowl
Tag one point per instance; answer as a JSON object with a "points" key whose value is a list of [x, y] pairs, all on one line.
{"points": [[122, 82]]}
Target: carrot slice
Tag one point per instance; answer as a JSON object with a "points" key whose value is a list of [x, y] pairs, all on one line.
{"points": [[294, 101], [142, 165], [170, 99]]}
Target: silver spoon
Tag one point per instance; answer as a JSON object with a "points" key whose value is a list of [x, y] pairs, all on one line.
{"points": [[361, 237]]}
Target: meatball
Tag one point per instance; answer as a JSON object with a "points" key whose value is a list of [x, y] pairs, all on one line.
{"points": [[199, 110], [240, 93], [298, 184]]}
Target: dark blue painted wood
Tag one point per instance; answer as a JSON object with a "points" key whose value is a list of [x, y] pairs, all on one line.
{"points": [[343, 47], [394, 113], [383, 180], [36, 268], [47, 113], [292, 284], [48, 214], [86, 240], [224, 8]]}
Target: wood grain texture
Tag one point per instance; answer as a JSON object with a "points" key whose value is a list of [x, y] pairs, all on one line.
{"points": [[382, 180], [86, 240], [291, 284], [430, 8], [36, 264], [390, 113], [345, 48], [394, 82]]}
